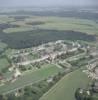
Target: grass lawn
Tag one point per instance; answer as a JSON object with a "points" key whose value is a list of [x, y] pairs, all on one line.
{"points": [[65, 88], [30, 77]]}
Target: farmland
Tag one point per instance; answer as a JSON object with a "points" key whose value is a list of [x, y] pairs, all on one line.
{"points": [[66, 87], [54, 23], [30, 77], [34, 30]]}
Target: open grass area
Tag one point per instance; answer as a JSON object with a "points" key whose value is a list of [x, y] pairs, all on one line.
{"points": [[3, 45], [65, 88], [3, 63], [30, 77], [8, 75], [95, 96]]}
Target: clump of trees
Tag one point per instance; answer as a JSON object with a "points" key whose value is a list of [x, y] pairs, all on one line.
{"points": [[82, 94], [20, 40]]}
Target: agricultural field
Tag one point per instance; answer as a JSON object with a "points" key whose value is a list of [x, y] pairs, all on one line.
{"points": [[30, 77], [31, 31], [54, 23], [67, 86]]}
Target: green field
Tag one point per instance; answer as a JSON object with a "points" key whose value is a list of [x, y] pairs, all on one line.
{"points": [[95, 96], [56, 23], [29, 31], [32, 56], [3, 63], [65, 88], [5, 19], [2, 45], [19, 29], [81, 25], [30, 77]]}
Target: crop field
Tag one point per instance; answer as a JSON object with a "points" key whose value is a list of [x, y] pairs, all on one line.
{"points": [[67, 86], [53, 23], [30, 77], [27, 31]]}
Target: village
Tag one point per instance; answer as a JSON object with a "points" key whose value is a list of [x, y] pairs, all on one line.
{"points": [[65, 55], [49, 53]]}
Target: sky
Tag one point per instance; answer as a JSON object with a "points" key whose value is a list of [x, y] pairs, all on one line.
{"points": [[47, 2]]}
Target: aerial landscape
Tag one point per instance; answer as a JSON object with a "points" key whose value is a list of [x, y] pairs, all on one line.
{"points": [[49, 50]]}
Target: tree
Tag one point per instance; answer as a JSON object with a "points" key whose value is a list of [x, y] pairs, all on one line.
{"points": [[82, 94], [1, 97]]}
